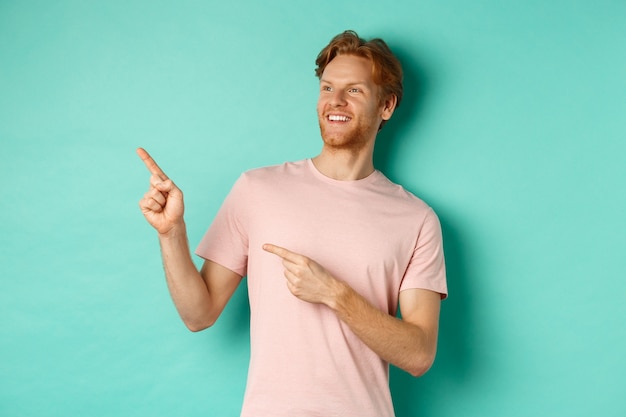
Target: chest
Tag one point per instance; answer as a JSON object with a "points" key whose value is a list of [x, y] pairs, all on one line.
{"points": [[360, 238]]}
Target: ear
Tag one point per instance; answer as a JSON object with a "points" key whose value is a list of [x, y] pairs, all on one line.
{"points": [[389, 105]]}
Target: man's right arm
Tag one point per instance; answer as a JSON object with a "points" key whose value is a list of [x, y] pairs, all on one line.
{"points": [[199, 296]]}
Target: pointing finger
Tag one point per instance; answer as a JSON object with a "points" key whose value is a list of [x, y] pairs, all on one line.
{"points": [[281, 252], [151, 164]]}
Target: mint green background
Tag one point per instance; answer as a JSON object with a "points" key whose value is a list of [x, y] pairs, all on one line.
{"points": [[512, 129]]}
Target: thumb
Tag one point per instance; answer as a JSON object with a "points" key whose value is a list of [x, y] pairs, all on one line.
{"points": [[166, 186]]}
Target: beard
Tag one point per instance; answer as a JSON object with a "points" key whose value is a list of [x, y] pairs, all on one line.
{"points": [[354, 139]]}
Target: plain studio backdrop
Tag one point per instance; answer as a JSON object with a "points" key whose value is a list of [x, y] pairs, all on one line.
{"points": [[512, 129]]}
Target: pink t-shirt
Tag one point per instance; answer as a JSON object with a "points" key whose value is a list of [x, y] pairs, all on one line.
{"points": [[371, 233]]}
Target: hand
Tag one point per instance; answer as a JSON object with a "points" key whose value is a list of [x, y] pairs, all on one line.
{"points": [[163, 204], [306, 279]]}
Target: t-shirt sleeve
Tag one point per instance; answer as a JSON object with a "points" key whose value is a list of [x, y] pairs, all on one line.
{"points": [[226, 240], [427, 269]]}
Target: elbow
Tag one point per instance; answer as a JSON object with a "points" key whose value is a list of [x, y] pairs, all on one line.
{"points": [[421, 365], [418, 371], [193, 327], [199, 324]]}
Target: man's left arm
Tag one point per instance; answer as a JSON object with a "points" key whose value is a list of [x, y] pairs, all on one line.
{"points": [[409, 343]]}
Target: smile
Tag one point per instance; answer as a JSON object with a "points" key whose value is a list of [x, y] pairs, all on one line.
{"points": [[338, 118]]}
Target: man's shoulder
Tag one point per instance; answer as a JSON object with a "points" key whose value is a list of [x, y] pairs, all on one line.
{"points": [[274, 172], [398, 194]]}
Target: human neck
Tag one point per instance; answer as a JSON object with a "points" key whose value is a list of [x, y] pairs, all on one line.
{"points": [[344, 165]]}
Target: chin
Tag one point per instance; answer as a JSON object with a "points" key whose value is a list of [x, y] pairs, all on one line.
{"points": [[343, 141]]}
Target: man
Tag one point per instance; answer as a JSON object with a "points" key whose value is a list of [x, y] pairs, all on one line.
{"points": [[330, 248]]}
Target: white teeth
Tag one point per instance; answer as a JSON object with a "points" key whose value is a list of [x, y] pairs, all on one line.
{"points": [[336, 118]]}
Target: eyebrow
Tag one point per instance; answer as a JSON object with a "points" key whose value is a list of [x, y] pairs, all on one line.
{"points": [[359, 83]]}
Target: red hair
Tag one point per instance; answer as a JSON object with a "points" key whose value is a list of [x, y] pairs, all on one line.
{"points": [[386, 68]]}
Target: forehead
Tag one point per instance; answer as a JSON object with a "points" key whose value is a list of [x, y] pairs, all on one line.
{"points": [[348, 69]]}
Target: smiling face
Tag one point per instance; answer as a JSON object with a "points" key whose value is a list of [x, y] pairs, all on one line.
{"points": [[349, 107]]}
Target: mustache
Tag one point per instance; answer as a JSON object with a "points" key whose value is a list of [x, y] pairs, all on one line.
{"points": [[337, 112]]}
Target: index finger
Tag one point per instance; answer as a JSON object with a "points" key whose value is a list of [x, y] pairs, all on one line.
{"points": [[150, 164], [281, 252]]}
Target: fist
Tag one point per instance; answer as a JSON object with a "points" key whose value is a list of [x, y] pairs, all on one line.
{"points": [[162, 205]]}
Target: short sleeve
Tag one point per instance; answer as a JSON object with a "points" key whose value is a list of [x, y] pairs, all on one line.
{"points": [[226, 240], [427, 269]]}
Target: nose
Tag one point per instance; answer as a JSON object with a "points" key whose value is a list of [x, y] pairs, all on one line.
{"points": [[338, 98]]}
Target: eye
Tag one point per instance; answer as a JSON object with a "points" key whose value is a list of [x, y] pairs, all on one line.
{"points": [[354, 90], [326, 88]]}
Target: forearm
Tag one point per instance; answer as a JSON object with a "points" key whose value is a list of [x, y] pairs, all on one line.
{"points": [[398, 342], [185, 283], [409, 344]]}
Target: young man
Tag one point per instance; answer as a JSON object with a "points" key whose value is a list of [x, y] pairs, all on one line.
{"points": [[330, 247]]}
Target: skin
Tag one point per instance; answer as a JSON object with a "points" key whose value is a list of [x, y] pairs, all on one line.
{"points": [[199, 296], [346, 90]]}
